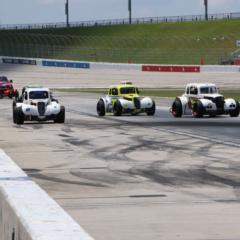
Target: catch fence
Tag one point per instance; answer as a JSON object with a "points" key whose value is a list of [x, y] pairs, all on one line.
{"points": [[122, 21]]}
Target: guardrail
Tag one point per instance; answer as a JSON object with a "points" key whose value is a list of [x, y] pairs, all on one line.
{"points": [[122, 21]]}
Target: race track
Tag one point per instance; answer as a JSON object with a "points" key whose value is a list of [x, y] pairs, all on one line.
{"points": [[132, 177]]}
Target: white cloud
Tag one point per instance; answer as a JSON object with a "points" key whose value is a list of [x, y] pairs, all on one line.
{"points": [[48, 2], [219, 3]]}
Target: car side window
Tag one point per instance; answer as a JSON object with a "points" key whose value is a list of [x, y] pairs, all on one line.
{"points": [[114, 91], [193, 91]]}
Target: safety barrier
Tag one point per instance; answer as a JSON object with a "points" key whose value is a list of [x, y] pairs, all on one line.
{"points": [[66, 64], [19, 61], [220, 69], [122, 66], [28, 213], [170, 68], [116, 66]]}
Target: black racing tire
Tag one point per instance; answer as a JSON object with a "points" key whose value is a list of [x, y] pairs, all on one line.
{"points": [[151, 111], [14, 111], [60, 118], [235, 112], [101, 108], [16, 94], [177, 108], [19, 116], [117, 108], [19, 99], [198, 109]]}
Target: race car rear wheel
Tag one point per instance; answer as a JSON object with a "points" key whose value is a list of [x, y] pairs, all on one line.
{"points": [[101, 108], [151, 111], [117, 108], [198, 109], [177, 108], [235, 112], [19, 116], [60, 118]]}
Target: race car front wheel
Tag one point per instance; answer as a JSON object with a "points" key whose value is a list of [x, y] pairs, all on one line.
{"points": [[151, 111], [18, 115], [60, 118], [101, 108], [235, 112], [117, 109]]}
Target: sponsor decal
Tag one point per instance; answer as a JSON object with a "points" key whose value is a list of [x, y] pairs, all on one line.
{"points": [[19, 61], [65, 64]]}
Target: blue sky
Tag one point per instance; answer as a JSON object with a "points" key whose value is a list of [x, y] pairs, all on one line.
{"points": [[42, 11]]}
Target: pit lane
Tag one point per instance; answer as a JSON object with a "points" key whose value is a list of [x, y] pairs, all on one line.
{"points": [[134, 177]]}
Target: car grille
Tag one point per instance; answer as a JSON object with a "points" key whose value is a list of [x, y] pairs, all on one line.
{"points": [[41, 108], [137, 103], [219, 101]]}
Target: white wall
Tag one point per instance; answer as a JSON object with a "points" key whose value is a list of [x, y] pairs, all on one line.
{"points": [[28, 212]]}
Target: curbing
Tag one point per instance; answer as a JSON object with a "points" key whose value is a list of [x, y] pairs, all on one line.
{"points": [[28, 213]]}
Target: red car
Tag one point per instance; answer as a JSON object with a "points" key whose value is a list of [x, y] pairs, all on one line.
{"points": [[6, 88]]}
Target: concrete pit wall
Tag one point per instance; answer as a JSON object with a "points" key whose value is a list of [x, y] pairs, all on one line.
{"points": [[28, 213]]}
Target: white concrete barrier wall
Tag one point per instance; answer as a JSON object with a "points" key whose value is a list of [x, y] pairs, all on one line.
{"points": [[219, 68], [28, 213], [137, 67], [116, 66]]}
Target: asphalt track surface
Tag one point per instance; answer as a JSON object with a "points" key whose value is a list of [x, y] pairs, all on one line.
{"points": [[133, 177]]}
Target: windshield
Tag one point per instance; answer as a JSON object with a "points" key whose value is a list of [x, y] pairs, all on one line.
{"points": [[38, 95], [208, 90], [129, 90], [3, 79]]}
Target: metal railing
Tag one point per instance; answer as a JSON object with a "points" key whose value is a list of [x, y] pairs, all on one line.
{"points": [[184, 18]]}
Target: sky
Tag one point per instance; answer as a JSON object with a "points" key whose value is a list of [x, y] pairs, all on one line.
{"points": [[51, 11]]}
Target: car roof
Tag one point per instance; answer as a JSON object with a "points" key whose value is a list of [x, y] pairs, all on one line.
{"points": [[202, 84], [122, 85], [37, 89]]}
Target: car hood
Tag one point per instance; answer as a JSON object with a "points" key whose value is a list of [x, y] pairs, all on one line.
{"points": [[35, 101], [5, 84], [130, 97], [212, 95]]}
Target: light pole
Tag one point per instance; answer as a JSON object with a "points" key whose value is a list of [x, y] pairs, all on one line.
{"points": [[130, 10], [206, 9], [67, 13]]}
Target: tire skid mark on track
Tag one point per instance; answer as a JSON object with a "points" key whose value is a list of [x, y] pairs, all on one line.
{"points": [[64, 181], [204, 138]]}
